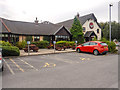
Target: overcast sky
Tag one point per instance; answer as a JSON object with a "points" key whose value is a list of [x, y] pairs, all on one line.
{"points": [[56, 10]]}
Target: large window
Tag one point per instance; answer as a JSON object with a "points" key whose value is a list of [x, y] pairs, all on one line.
{"points": [[14, 38], [36, 38], [11, 37], [59, 38]]}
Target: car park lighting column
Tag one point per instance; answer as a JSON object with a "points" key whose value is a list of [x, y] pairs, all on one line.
{"points": [[110, 5]]}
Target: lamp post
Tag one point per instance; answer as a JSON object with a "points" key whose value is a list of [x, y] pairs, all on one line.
{"points": [[110, 5]]}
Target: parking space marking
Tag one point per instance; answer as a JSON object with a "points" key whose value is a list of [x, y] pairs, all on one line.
{"points": [[84, 58], [28, 64], [49, 65], [16, 64], [9, 67]]}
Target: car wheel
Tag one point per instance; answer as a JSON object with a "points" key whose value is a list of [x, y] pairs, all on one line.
{"points": [[95, 52], [78, 50], [2, 68]]}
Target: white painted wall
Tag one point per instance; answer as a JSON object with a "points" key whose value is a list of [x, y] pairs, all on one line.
{"points": [[87, 28]]}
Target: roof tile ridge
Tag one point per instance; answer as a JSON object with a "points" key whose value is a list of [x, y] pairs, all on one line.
{"points": [[5, 25]]}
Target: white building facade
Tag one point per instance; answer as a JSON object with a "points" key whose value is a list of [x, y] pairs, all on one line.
{"points": [[91, 25]]}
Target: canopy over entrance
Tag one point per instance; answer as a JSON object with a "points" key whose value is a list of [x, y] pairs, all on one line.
{"points": [[89, 35]]}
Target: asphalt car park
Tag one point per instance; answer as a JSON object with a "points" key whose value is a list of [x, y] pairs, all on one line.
{"points": [[61, 70]]}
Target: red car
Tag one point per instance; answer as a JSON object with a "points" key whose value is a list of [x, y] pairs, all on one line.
{"points": [[95, 47]]}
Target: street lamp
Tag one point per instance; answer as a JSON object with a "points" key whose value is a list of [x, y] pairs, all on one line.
{"points": [[110, 5]]}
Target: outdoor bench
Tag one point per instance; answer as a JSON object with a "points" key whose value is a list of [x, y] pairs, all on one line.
{"points": [[31, 47]]}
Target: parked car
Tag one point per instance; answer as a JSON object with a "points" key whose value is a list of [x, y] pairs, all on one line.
{"points": [[1, 63], [95, 47]]}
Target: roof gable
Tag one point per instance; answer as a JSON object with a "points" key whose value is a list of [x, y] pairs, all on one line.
{"points": [[82, 20], [89, 33], [62, 31]]}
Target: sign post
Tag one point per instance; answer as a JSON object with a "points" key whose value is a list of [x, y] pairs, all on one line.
{"points": [[28, 42], [54, 42], [76, 43]]}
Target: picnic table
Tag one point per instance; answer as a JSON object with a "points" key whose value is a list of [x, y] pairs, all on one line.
{"points": [[31, 47]]}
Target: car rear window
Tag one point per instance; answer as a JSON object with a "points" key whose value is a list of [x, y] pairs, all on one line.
{"points": [[103, 44]]}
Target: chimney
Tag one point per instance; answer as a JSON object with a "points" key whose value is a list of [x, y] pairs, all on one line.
{"points": [[36, 21], [78, 15]]}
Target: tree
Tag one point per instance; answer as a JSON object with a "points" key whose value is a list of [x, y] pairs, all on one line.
{"points": [[115, 30], [77, 31]]}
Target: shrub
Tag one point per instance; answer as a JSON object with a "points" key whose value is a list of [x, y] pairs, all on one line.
{"points": [[95, 39], [61, 43], [111, 45], [10, 51], [3, 43], [70, 43], [21, 45], [65, 43], [104, 40], [41, 44]]}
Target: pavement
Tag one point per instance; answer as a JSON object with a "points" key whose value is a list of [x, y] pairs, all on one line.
{"points": [[63, 70], [44, 52]]}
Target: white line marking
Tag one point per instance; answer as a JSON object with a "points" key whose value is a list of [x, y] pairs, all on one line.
{"points": [[28, 64], [9, 67], [16, 65]]}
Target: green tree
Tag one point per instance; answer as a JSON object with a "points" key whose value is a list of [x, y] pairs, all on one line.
{"points": [[77, 31], [115, 30]]}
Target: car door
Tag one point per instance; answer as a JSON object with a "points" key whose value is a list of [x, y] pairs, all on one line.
{"points": [[92, 46], [85, 47]]}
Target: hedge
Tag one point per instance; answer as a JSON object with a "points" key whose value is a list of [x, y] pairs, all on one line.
{"points": [[3, 43], [10, 51], [111, 45], [65, 43], [41, 44]]}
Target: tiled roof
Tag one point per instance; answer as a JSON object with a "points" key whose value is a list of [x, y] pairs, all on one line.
{"points": [[18, 27], [82, 20]]}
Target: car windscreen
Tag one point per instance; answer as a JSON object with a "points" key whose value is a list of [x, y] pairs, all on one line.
{"points": [[103, 44]]}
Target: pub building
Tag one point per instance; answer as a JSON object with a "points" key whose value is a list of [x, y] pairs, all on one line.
{"points": [[14, 31]]}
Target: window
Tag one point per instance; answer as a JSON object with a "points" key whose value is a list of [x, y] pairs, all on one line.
{"points": [[86, 44], [36, 38], [103, 44], [84, 29], [97, 30], [92, 43]]}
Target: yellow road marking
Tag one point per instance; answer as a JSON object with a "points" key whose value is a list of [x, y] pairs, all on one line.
{"points": [[85, 58], [82, 58], [9, 67], [49, 65], [16, 65], [28, 64]]}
